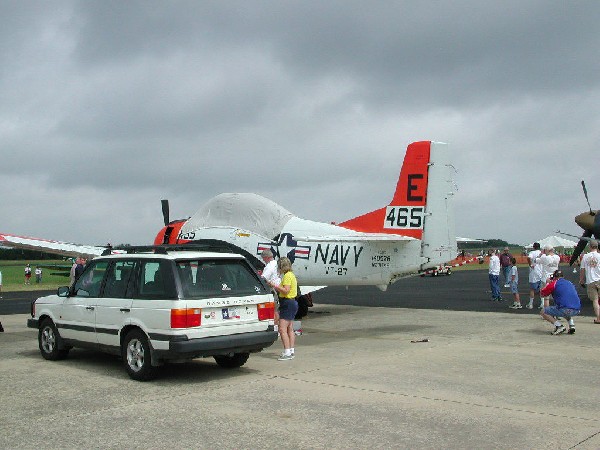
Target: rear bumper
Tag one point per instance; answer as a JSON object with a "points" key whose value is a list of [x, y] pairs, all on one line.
{"points": [[182, 347], [33, 323]]}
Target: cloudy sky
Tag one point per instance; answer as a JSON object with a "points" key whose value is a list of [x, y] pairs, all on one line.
{"points": [[106, 107]]}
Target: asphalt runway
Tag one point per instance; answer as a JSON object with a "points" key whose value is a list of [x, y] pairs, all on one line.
{"points": [[466, 290], [434, 369]]}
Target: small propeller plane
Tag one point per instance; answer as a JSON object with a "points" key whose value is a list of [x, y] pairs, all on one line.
{"points": [[589, 221], [413, 234]]}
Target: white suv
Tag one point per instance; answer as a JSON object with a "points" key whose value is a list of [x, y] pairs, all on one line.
{"points": [[155, 305]]}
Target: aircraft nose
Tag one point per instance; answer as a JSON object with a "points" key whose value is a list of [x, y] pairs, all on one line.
{"points": [[585, 220]]}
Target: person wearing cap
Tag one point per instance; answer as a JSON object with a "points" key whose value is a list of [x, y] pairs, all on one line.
{"points": [[549, 262], [566, 303], [590, 277]]}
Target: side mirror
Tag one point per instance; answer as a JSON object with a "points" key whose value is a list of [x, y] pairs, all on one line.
{"points": [[63, 291]]}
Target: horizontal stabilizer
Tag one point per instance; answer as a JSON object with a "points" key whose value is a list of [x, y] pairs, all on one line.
{"points": [[360, 237]]}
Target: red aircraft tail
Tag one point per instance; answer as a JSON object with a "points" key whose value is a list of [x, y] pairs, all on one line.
{"points": [[406, 212]]}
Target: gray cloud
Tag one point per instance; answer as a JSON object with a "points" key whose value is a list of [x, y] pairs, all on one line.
{"points": [[107, 107]]}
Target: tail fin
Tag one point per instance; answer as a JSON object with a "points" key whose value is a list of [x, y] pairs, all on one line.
{"points": [[405, 213], [422, 204]]}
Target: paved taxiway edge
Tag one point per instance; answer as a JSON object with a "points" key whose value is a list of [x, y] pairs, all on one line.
{"points": [[481, 381]]}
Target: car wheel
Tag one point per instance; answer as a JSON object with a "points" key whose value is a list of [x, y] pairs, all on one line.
{"points": [[48, 339], [434, 274], [137, 356], [231, 362], [449, 272]]}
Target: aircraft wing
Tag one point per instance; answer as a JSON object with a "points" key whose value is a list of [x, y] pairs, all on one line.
{"points": [[468, 240], [46, 245]]}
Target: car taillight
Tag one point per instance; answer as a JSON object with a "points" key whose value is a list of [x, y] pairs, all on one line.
{"points": [[186, 318], [266, 311]]}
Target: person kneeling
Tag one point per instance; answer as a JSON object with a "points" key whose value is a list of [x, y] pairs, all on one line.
{"points": [[566, 303]]}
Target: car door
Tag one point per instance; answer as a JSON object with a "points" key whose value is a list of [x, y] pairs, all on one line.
{"points": [[113, 307], [78, 315]]}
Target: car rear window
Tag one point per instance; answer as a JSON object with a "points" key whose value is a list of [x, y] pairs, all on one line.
{"points": [[218, 278]]}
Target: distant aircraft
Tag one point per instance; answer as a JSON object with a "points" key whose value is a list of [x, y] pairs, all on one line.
{"points": [[414, 233], [590, 222]]}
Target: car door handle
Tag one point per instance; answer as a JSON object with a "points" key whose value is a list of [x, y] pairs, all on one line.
{"points": [[124, 310], [90, 308]]}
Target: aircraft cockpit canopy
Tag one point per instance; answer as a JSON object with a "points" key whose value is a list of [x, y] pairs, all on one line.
{"points": [[258, 214]]}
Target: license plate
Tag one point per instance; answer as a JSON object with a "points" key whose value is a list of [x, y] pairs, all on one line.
{"points": [[230, 313]]}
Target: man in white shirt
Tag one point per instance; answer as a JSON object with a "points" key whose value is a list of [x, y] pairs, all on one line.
{"points": [[590, 263], [549, 262], [494, 275], [271, 274], [535, 273]]}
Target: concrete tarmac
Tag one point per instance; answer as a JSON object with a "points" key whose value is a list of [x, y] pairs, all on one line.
{"points": [[481, 381]]}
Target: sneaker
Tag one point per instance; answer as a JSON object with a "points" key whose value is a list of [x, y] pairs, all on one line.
{"points": [[507, 285], [571, 330], [285, 357], [529, 305], [515, 305], [559, 329]]}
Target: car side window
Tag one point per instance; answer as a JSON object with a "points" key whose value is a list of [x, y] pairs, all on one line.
{"points": [[90, 281], [156, 280], [118, 277]]}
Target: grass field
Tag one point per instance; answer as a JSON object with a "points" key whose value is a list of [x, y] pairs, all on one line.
{"points": [[13, 275]]}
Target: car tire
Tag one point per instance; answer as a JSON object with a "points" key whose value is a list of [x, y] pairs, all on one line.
{"points": [[449, 272], [49, 340], [231, 362], [137, 356]]}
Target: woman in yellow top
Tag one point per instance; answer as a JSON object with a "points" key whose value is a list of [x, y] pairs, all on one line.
{"points": [[288, 307]]}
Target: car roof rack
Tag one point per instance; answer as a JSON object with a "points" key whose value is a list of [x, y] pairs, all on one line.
{"points": [[163, 249]]}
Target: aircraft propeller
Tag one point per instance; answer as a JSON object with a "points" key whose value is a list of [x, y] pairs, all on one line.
{"points": [[586, 197], [165, 211], [590, 222]]}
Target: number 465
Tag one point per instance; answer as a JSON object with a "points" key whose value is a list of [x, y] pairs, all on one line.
{"points": [[404, 217]]}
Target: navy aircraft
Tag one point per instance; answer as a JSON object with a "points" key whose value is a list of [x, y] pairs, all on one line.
{"points": [[589, 221], [414, 233]]}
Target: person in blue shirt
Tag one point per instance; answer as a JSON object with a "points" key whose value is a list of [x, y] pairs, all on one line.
{"points": [[566, 303]]}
